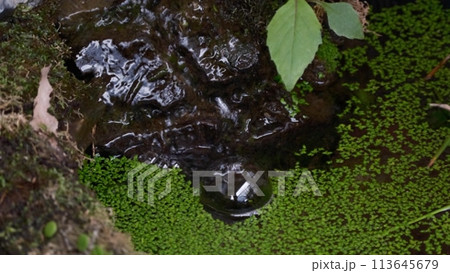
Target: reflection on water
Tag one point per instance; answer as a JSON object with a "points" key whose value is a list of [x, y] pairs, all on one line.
{"points": [[185, 85]]}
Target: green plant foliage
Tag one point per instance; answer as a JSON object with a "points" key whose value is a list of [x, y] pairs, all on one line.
{"points": [[297, 98], [329, 53], [50, 229], [99, 250], [83, 242], [293, 36], [355, 215], [31, 45], [343, 19]]}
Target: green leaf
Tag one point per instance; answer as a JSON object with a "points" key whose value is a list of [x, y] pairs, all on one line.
{"points": [[98, 250], [343, 19], [50, 229], [83, 242], [293, 37]]}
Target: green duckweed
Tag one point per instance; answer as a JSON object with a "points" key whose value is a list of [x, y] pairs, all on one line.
{"points": [[374, 188]]}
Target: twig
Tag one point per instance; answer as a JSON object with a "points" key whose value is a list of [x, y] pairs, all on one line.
{"points": [[440, 105], [440, 151], [439, 66]]}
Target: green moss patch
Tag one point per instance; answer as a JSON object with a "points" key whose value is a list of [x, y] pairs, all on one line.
{"points": [[43, 207], [329, 53]]}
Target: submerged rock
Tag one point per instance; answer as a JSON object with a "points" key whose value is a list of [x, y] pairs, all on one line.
{"points": [[7, 6], [183, 85]]}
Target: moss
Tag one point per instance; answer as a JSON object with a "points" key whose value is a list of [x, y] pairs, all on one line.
{"points": [[28, 42], [329, 53], [38, 180]]}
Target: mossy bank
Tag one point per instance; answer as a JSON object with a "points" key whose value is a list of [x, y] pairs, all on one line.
{"points": [[377, 194], [43, 207]]}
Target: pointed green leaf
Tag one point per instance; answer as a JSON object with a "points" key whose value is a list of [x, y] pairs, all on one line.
{"points": [[343, 19], [293, 37]]}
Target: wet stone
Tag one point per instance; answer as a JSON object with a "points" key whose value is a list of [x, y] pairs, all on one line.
{"points": [[180, 86], [220, 63], [143, 78], [319, 75]]}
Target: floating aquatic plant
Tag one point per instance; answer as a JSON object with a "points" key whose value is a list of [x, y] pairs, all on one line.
{"points": [[377, 192]]}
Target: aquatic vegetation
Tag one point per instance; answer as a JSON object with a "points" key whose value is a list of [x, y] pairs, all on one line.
{"points": [[297, 97], [378, 196]]}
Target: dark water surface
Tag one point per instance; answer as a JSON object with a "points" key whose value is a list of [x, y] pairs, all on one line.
{"points": [[190, 84]]}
